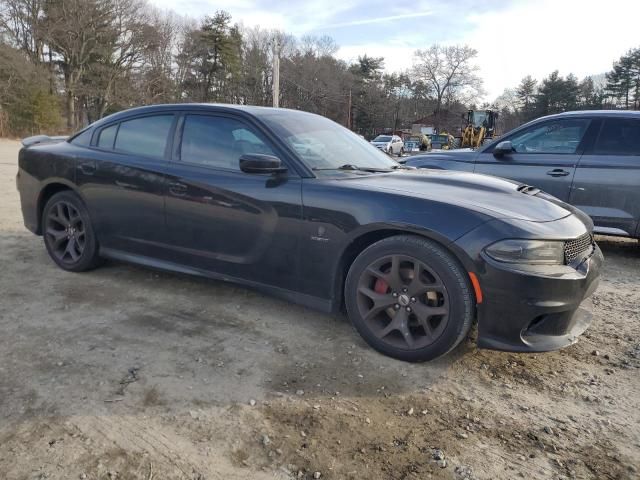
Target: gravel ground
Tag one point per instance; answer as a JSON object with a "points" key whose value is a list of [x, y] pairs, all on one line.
{"points": [[129, 373]]}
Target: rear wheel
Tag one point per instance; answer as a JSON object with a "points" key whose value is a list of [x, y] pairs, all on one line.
{"points": [[409, 298], [68, 233]]}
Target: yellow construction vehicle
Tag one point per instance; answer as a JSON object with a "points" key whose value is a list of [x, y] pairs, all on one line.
{"points": [[480, 126]]}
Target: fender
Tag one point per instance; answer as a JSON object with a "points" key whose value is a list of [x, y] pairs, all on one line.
{"points": [[366, 235]]}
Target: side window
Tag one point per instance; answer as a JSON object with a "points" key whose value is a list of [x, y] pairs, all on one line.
{"points": [[619, 136], [83, 139], [146, 136], [107, 136], [559, 136], [219, 141]]}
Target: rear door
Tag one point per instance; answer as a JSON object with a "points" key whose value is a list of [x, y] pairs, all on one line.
{"points": [[607, 180], [122, 176], [545, 155], [227, 221]]}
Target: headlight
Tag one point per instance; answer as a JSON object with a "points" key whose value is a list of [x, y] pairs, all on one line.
{"points": [[533, 252]]}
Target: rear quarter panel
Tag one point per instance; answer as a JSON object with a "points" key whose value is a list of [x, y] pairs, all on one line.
{"points": [[39, 166]]}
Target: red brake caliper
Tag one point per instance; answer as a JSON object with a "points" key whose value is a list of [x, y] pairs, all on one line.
{"points": [[381, 286]]}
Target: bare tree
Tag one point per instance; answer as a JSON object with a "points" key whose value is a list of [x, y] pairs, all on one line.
{"points": [[21, 24], [119, 53], [75, 31], [449, 71]]}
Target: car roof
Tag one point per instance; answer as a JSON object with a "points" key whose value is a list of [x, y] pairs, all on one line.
{"points": [[594, 113], [213, 107]]}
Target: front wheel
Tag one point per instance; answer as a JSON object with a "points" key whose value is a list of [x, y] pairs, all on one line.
{"points": [[68, 233], [409, 298], [401, 152]]}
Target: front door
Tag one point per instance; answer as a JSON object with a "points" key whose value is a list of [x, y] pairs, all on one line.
{"points": [[223, 220], [544, 155]]}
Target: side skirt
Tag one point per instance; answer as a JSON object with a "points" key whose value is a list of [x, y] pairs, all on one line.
{"points": [[315, 303]]}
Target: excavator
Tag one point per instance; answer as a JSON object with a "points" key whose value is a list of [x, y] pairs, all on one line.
{"points": [[480, 126]]}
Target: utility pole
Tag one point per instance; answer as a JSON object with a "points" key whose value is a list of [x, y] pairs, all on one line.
{"points": [[276, 72], [349, 112]]}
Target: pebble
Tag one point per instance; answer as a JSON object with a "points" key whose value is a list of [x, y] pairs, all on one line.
{"points": [[438, 454], [300, 392], [83, 476], [252, 402], [367, 420], [442, 463], [317, 474], [266, 440], [463, 435], [595, 353], [410, 411], [548, 430]]}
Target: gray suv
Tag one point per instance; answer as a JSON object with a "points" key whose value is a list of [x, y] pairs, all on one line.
{"points": [[590, 159]]}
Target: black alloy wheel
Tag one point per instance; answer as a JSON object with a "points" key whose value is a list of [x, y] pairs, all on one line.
{"points": [[409, 298], [68, 233], [403, 301]]}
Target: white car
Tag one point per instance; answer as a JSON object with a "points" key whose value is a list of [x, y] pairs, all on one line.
{"points": [[391, 144]]}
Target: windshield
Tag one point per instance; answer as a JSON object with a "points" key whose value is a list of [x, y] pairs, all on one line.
{"points": [[323, 144], [479, 119], [382, 138]]}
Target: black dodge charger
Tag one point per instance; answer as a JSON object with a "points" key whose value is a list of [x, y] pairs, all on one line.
{"points": [[297, 206]]}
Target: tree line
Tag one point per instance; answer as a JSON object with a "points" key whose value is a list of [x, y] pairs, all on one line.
{"points": [[616, 89], [83, 59], [67, 63]]}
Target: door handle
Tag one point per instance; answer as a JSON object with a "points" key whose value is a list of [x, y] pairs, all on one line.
{"points": [[558, 172], [177, 188], [88, 168]]}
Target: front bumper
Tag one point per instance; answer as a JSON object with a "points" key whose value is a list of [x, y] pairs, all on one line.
{"points": [[535, 309]]}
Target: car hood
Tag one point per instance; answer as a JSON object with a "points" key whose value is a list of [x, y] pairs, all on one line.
{"points": [[497, 197], [380, 143]]}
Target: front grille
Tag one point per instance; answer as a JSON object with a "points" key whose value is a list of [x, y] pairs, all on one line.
{"points": [[578, 248]]}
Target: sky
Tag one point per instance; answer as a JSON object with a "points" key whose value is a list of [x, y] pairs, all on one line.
{"points": [[513, 38]]}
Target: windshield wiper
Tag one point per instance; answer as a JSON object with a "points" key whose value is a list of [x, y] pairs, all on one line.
{"points": [[355, 168]]}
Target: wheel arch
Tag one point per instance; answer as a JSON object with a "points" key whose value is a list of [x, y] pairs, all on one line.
{"points": [[49, 190], [372, 235]]}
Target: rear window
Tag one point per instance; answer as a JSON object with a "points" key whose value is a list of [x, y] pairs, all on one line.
{"points": [[619, 136], [146, 136]]}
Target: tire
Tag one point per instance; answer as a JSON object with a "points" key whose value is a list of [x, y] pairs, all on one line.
{"points": [[427, 319], [68, 233]]}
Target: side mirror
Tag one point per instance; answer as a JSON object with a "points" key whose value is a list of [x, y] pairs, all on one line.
{"points": [[258, 163], [503, 148]]}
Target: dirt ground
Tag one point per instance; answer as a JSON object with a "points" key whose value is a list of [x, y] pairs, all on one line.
{"points": [[128, 373]]}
